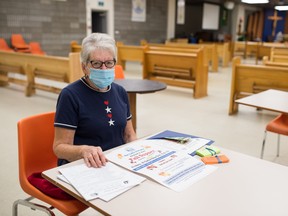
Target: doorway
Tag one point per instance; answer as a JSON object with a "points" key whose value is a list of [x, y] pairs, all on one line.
{"points": [[99, 21]]}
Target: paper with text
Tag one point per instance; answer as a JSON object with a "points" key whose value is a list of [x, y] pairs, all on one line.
{"points": [[106, 182], [174, 169]]}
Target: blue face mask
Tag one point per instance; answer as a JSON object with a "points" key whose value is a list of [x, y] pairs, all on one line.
{"points": [[102, 78]]}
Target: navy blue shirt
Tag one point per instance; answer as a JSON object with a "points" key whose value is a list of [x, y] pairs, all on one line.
{"points": [[98, 118]]}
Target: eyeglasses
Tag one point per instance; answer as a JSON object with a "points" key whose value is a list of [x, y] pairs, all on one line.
{"points": [[98, 64]]}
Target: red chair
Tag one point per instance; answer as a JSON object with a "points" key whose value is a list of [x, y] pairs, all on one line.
{"points": [[278, 125], [4, 46], [36, 48], [35, 154], [119, 73], [19, 43]]}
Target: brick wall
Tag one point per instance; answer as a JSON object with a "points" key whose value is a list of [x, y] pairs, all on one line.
{"points": [[52, 23], [154, 30]]}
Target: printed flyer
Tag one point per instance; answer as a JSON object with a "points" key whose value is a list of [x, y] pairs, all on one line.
{"points": [[174, 169]]}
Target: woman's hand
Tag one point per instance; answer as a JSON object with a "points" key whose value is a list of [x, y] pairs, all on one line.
{"points": [[93, 156]]}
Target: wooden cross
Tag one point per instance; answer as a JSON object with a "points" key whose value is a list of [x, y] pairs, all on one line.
{"points": [[275, 19]]}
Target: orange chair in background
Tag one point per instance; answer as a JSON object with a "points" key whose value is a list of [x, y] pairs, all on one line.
{"points": [[35, 151], [119, 73], [278, 125], [4, 46], [36, 48], [19, 43]]}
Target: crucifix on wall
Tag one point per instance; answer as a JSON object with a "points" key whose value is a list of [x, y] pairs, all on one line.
{"points": [[275, 19]]}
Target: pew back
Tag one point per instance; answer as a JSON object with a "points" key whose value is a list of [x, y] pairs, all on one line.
{"points": [[35, 66], [177, 69], [251, 79]]}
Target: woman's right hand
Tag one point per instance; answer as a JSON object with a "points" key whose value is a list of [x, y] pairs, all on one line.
{"points": [[93, 156]]}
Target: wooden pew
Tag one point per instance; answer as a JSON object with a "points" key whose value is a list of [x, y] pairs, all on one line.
{"points": [[177, 69], [223, 52], [267, 62], [279, 55], [210, 52], [63, 69], [251, 79], [75, 47], [129, 53]]}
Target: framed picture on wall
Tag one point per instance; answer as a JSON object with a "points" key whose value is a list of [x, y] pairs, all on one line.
{"points": [[181, 12], [138, 10]]}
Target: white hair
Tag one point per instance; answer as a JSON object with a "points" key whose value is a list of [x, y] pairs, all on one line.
{"points": [[96, 41]]}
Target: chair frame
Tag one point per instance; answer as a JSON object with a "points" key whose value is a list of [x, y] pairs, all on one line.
{"points": [[283, 119]]}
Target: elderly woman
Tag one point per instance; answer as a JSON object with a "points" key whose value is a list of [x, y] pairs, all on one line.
{"points": [[93, 114]]}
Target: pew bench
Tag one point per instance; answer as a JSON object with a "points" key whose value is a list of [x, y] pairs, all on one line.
{"points": [[63, 69], [177, 69], [129, 53], [251, 79], [210, 52]]}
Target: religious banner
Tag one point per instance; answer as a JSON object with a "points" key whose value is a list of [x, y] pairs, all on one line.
{"points": [[138, 10], [274, 22], [181, 12]]}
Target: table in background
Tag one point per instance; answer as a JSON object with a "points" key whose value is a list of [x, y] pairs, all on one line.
{"points": [[134, 86], [273, 100], [244, 186]]}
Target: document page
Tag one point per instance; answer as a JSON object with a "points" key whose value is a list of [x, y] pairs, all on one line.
{"points": [[174, 169], [106, 182]]}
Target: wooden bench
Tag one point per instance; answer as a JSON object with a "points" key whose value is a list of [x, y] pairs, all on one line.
{"points": [[129, 53], [210, 52], [75, 47], [279, 55], [223, 52], [35, 66], [251, 79], [177, 69]]}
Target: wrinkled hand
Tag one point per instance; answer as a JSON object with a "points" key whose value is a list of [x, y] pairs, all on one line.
{"points": [[93, 156]]}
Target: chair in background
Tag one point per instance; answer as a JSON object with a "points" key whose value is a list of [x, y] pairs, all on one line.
{"points": [[36, 48], [19, 44], [278, 125], [4, 46], [35, 140], [119, 73]]}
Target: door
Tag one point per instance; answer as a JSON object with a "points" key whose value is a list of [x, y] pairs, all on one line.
{"points": [[99, 21]]}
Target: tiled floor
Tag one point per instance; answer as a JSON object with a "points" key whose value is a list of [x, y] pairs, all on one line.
{"points": [[173, 109]]}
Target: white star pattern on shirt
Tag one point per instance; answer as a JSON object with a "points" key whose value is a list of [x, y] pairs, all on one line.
{"points": [[111, 122], [108, 109]]}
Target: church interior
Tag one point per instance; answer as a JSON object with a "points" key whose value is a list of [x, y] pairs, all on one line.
{"points": [[210, 54]]}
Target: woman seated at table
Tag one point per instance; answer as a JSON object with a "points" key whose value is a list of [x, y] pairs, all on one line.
{"points": [[93, 113]]}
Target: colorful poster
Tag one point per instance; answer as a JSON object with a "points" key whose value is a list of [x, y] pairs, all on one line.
{"points": [[174, 169], [138, 10]]}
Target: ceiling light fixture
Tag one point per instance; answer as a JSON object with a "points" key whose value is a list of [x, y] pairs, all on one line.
{"points": [[255, 1], [281, 8], [229, 5]]}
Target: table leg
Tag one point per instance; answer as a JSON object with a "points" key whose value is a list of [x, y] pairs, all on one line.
{"points": [[132, 99]]}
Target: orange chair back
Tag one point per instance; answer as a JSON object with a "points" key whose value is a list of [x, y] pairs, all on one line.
{"points": [[4, 46], [119, 73], [35, 149], [36, 48], [18, 42]]}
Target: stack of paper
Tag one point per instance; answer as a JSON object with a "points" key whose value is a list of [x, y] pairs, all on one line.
{"points": [[105, 183]]}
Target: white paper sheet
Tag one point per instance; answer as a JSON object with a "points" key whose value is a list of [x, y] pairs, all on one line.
{"points": [[106, 182]]}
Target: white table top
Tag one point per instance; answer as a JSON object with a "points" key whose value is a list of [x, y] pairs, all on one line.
{"points": [[245, 186], [271, 99]]}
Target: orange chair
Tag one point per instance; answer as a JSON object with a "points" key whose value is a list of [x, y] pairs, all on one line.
{"points": [[19, 43], [36, 48], [278, 125], [35, 139], [4, 46], [119, 73]]}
